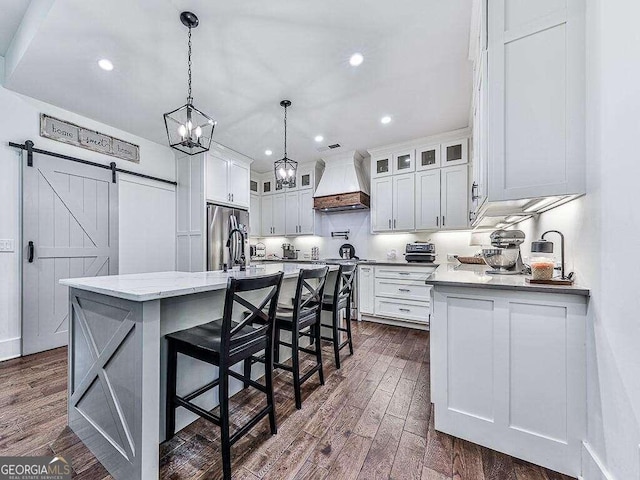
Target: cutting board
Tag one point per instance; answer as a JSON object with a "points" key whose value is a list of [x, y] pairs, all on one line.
{"points": [[550, 282]]}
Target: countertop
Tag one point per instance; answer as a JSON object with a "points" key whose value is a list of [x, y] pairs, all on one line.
{"points": [[475, 276], [142, 287], [395, 263]]}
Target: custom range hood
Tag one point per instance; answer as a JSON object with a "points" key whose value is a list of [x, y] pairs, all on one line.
{"points": [[343, 186]]}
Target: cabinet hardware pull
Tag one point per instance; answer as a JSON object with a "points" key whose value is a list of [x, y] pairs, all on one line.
{"points": [[389, 223], [437, 221], [394, 223], [443, 220], [474, 192], [404, 290], [31, 249], [404, 273], [404, 309]]}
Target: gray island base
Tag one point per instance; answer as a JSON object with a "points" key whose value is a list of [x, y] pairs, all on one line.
{"points": [[117, 358]]}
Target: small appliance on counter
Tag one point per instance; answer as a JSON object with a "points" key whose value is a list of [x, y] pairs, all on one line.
{"points": [[424, 252], [347, 252], [289, 252], [504, 256], [258, 251]]}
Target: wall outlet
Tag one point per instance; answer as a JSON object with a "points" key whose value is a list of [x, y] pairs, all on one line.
{"points": [[6, 245]]}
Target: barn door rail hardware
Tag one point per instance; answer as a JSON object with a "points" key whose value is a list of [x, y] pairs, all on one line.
{"points": [[29, 147]]}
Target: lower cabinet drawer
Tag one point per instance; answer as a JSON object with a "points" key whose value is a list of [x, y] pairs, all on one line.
{"points": [[405, 273], [403, 309], [409, 290]]}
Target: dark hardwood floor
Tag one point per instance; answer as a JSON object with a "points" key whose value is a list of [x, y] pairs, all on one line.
{"points": [[372, 420]]}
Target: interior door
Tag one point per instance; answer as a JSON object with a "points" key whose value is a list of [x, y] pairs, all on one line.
{"points": [[428, 200], [70, 229], [382, 211], [404, 202]]}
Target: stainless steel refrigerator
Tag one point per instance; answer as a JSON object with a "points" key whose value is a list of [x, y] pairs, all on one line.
{"points": [[221, 221]]}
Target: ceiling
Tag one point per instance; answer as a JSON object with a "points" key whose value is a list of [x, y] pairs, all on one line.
{"points": [[248, 56], [12, 13]]}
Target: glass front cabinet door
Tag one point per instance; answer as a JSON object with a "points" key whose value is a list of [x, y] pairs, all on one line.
{"points": [[427, 157], [454, 153], [381, 166], [267, 186], [403, 162]]}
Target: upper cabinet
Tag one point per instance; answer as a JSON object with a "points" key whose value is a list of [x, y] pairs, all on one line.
{"points": [[421, 185], [454, 153], [536, 98], [381, 165], [287, 211], [427, 157], [226, 181], [404, 162]]}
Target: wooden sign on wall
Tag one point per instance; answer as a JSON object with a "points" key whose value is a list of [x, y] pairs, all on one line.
{"points": [[67, 132]]}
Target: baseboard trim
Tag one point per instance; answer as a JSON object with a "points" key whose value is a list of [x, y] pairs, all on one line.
{"points": [[9, 348], [592, 466]]}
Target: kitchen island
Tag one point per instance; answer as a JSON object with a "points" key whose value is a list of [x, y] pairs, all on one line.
{"points": [[508, 364], [117, 357]]}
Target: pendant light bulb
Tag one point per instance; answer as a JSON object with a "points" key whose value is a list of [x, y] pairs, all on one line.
{"points": [[282, 173], [198, 132], [290, 173], [182, 130], [189, 125]]}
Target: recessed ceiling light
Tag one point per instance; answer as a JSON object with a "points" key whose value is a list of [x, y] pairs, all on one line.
{"points": [[356, 59], [386, 119], [268, 152], [319, 138], [105, 64]]}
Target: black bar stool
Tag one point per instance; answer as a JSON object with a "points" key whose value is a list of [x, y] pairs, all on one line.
{"points": [[304, 313], [340, 299], [225, 343]]}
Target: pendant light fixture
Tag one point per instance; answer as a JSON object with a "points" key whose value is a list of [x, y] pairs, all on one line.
{"points": [[285, 168], [188, 129]]}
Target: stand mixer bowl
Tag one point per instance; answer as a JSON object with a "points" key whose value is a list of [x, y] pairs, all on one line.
{"points": [[501, 258]]}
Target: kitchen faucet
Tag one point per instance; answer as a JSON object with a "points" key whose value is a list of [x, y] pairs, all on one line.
{"points": [[243, 267]]}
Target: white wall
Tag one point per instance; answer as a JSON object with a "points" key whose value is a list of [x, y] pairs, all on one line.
{"points": [[372, 247], [19, 121], [603, 231]]}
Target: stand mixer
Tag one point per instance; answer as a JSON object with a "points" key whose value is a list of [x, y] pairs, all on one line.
{"points": [[504, 256]]}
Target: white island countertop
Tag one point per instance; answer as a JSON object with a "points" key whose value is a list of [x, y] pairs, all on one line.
{"points": [[476, 276], [142, 287]]}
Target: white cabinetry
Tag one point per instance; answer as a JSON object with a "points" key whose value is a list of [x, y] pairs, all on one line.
{"points": [[442, 198], [421, 187], [382, 204], [299, 213], [428, 200], [403, 202], [536, 98], [365, 290], [508, 372], [226, 181], [395, 294], [273, 215], [454, 188], [255, 215]]}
